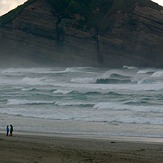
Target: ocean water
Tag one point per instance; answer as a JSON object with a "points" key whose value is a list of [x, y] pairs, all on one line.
{"points": [[83, 100]]}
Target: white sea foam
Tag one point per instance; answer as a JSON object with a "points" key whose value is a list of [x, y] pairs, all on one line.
{"points": [[27, 89], [158, 74], [146, 71], [106, 105], [121, 106], [83, 80], [146, 81], [59, 91], [32, 81], [130, 67], [24, 102], [73, 103], [71, 69], [72, 94]]}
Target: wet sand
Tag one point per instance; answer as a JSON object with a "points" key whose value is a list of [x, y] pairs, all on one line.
{"points": [[32, 148]]}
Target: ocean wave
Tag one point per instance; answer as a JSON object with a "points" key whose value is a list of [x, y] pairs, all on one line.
{"points": [[71, 69], [139, 120], [59, 91], [146, 81], [80, 69], [107, 105], [81, 92], [3, 100], [136, 102], [81, 104], [130, 67], [94, 93], [129, 107], [116, 120], [158, 74], [27, 70], [32, 81], [28, 89], [83, 80], [136, 76], [117, 74], [38, 89], [112, 81], [27, 102], [146, 71], [74, 94]]}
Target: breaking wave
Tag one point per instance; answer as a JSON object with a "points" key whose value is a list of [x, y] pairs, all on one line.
{"points": [[128, 95]]}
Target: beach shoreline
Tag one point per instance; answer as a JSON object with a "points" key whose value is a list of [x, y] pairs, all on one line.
{"points": [[70, 148], [132, 139]]}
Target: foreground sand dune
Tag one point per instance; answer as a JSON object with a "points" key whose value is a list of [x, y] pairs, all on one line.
{"points": [[23, 148]]}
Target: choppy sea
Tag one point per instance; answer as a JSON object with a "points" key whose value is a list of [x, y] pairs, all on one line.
{"points": [[83, 100]]}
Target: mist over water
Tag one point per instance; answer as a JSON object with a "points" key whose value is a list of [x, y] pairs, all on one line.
{"points": [[83, 100]]}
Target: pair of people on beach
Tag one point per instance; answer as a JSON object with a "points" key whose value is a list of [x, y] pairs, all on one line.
{"points": [[9, 130]]}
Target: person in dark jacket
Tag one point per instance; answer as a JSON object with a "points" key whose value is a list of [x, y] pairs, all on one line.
{"points": [[11, 130], [7, 130]]}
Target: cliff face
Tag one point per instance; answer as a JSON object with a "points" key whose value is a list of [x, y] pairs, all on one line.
{"points": [[42, 35]]}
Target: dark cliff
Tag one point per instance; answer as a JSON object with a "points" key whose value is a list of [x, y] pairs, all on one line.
{"points": [[108, 33]]}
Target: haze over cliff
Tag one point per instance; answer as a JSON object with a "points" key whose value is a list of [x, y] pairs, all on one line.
{"points": [[108, 33]]}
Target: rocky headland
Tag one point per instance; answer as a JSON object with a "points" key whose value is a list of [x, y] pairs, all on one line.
{"points": [[106, 33]]}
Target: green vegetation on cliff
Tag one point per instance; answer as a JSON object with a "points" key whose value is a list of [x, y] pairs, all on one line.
{"points": [[93, 12]]}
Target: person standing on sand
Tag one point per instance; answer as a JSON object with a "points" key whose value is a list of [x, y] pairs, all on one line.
{"points": [[11, 130], [7, 130]]}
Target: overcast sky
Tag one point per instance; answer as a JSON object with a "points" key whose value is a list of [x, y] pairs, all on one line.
{"points": [[7, 5], [159, 2]]}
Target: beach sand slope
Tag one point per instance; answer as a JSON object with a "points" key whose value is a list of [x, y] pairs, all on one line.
{"points": [[60, 149]]}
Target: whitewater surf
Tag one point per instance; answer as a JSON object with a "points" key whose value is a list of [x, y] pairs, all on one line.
{"points": [[83, 100]]}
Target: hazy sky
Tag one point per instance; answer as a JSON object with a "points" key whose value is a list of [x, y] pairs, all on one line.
{"points": [[159, 2], [7, 5]]}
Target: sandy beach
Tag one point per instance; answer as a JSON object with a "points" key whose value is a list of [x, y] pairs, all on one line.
{"points": [[32, 148]]}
